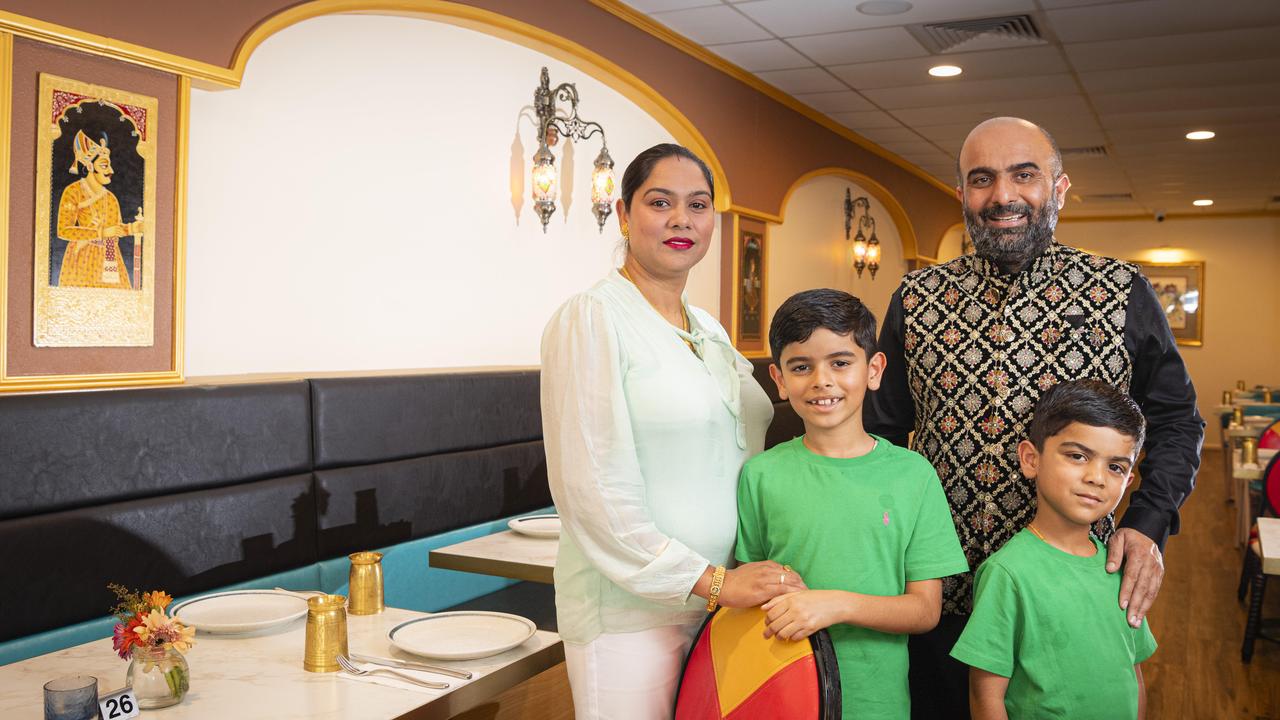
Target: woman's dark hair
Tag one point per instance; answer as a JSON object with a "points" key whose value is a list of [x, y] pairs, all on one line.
{"points": [[1088, 402], [642, 166], [835, 310]]}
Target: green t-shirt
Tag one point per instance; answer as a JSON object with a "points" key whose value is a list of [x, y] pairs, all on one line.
{"points": [[1051, 622], [869, 525]]}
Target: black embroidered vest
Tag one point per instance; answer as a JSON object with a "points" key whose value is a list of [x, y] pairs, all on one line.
{"points": [[980, 347]]}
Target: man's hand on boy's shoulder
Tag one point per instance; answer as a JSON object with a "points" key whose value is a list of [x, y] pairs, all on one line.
{"points": [[1143, 565], [797, 615]]}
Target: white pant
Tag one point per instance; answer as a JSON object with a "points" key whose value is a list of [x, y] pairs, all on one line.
{"points": [[628, 676]]}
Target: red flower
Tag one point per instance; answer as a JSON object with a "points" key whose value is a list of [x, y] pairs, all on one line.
{"points": [[949, 380], [910, 302], [948, 424], [1054, 293], [1050, 335], [951, 296], [951, 336], [1097, 294], [124, 639]]}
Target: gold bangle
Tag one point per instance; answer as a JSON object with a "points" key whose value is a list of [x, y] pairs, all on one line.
{"points": [[717, 582]]}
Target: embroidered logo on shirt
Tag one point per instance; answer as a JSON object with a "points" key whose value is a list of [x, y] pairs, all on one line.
{"points": [[886, 517]]}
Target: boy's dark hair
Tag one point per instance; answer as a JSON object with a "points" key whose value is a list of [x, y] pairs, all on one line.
{"points": [[835, 310], [1088, 402], [641, 167]]}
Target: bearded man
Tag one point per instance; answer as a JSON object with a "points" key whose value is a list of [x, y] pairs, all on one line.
{"points": [[971, 345]]}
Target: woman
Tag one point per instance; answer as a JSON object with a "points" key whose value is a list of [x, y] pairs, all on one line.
{"points": [[648, 415]]}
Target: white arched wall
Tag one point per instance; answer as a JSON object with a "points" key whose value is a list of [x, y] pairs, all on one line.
{"points": [[375, 226], [808, 249], [952, 244]]}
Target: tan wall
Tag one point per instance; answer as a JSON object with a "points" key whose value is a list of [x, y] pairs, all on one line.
{"points": [[1241, 294]]}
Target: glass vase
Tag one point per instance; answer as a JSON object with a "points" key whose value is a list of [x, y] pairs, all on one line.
{"points": [[159, 677]]}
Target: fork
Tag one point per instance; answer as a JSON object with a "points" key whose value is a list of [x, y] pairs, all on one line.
{"points": [[350, 667]]}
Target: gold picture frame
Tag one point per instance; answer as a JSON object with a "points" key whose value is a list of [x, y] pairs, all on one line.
{"points": [[1180, 289], [24, 365], [748, 285]]}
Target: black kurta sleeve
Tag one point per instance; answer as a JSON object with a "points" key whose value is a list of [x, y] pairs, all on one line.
{"points": [[1175, 430], [891, 413]]}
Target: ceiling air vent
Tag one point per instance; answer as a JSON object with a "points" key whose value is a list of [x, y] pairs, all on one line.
{"points": [[1106, 197], [993, 33], [1092, 151]]}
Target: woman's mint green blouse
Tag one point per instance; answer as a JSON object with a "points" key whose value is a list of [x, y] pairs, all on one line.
{"points": [[644, 443]]}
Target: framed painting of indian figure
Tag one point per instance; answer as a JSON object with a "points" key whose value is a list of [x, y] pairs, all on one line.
{"points": [[749, 292], [94, 274], [1180, 290]]}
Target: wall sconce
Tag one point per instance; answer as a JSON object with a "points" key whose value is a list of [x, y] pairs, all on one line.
{"points": [[866, 253], [551, 126]]}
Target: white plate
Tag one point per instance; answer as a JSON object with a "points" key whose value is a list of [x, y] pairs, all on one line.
{"points": [[539, 526], [462, 635], [240, 611]]}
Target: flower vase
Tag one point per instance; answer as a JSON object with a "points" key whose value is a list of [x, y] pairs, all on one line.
{"points": [[158, 676]]}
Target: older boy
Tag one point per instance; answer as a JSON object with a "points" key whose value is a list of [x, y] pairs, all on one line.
{"points": [[863, 521], [1046, 638]]}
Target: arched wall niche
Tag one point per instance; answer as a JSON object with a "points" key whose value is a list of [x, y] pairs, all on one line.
{"points": [[384, 220], [808, 248]]}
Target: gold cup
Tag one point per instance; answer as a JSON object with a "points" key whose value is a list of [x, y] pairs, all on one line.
{"points": [[1227, 398], [1249, 452], [1237, 416], [366, 583], [326, 633], [1266, 396], [1240, 385]]}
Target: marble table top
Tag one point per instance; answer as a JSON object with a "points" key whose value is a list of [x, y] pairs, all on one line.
{"points": [[505, 554], [260, 675]]}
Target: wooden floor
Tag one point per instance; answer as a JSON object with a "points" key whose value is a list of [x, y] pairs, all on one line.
{"points": [[1199, 625]]}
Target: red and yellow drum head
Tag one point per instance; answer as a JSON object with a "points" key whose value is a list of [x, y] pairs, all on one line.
{"points": [[734, 673]]}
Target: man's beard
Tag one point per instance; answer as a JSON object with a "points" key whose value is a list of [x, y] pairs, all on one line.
{"points": [[1012, 248]]}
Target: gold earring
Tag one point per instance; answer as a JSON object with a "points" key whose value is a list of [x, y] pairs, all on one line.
{"points": [[626, 234]]}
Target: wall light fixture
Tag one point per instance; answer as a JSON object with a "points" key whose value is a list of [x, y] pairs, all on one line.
{"points": [[553, 123], [866, 252]]}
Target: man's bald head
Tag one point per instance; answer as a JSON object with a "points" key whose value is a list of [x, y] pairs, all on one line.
{"points": [[1003, 129]]}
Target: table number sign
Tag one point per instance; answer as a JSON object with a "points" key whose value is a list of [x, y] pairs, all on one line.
{"points": [[119, 705]]}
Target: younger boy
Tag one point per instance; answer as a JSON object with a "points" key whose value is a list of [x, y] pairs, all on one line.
{"points": [[1047, 637], [865, 523]]}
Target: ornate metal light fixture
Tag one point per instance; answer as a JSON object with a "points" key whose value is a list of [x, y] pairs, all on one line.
{"points": [[552, 125], [866, 253]]}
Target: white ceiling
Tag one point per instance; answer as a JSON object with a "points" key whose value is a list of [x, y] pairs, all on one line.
{"points": [[1132, 75]]}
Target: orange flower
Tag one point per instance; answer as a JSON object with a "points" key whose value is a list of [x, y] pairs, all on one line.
{"points": [[158, 599]]}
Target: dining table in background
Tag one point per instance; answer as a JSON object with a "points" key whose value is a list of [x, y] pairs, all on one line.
{"points": [[505, 554], [259, 676]]}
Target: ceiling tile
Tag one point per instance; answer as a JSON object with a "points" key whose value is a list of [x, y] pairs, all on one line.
{"points": [[1068, 109], [1203, 74], [915, 148], [860, 46], [884, 135], [1192, 117], [1222, 96], [834, 102], [973, 91], [808, 17], [1017, 62], [866, 119], [712, 25], [761, 55], [804, 80], [652, 6], [1246, 44], [1149, 18]]}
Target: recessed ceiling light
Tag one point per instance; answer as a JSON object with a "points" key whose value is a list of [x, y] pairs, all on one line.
{"points": [[1201, 135], [945, 70], [1205, 202], [884, 7]]}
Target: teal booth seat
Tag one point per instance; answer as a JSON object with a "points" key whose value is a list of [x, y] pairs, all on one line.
{"points": [[408, 583]]}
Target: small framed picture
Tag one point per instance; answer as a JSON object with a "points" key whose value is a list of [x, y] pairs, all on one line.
{"points": [[1180, 290]]}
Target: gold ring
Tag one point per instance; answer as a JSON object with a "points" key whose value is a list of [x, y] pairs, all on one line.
{"points": [[786, 568]]}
